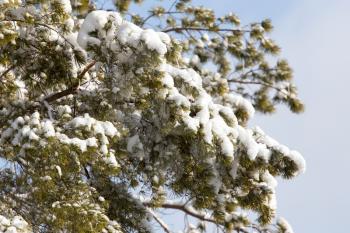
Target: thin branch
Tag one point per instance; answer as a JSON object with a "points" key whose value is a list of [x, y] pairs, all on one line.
{"points": [[252, 71], [254, 82], [177, 29], [61, 94], [160, 221], [70, 90], [172, 5], [147, 18], [163, 13], [87, 173], [86, 69], [6, 71], [43, 25], [186, 210]]}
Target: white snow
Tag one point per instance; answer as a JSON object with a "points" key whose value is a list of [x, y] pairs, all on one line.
{"points": [[66, 5], [111, 161], [134, 143], [298, 159], [98, 127], [269, 180], [271, 143], [191, 123], [129, 33], [153, 41], [11, 229], [245, 137], [48, 128], [95, 21], [4, 221], [285, 225], [124, 32], [237, 101], [59, 170], [19, 222]]}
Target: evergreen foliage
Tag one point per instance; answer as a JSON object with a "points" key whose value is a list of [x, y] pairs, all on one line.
{"points": [[104, 121]]}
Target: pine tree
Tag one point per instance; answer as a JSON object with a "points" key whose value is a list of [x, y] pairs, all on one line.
{"points": [[107, 117]]}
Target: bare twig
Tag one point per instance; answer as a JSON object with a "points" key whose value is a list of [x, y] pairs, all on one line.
{"points": [[186, 210], [254, 82], [164, 13], [172, 5], [43, 25], [6, 71], [177, 29], [160, 221]]}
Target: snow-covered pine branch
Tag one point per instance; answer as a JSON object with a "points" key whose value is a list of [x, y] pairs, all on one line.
{"points": [[97, 114]]}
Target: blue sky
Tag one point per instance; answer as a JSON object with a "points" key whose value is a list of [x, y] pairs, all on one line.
{"points": [[314, 36]]}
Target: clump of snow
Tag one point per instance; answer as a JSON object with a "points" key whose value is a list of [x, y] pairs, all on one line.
{"points": [[64, 109], [112, 227], [271, 183], [80, 143], [134, 143], [59, 170], [246, 138], [284, 225], [48, 128], [129, 34], [46, 178], [28, 130], [112, 161], [298, 159], [120, 31], [238, 102], [19, 223], [4, 221], [95, 22], [98, 127], [153, 41], [67, 7], [271, 143], [269, 180]]}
